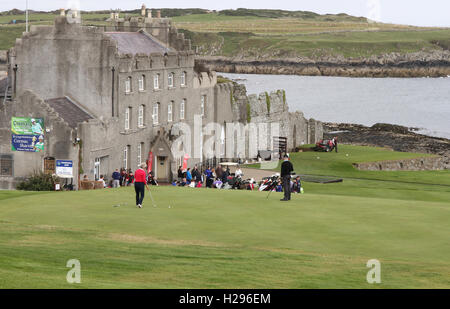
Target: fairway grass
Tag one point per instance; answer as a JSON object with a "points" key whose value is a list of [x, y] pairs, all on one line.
{"points": [[222, 239]]}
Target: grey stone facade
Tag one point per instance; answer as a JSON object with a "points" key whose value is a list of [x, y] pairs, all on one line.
{"points": [[133, 84]]}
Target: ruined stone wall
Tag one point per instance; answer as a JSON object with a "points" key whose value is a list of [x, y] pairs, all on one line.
{"points": [[272, 108]]}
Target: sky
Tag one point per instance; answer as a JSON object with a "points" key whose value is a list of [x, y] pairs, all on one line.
{"points": [[407, 12]]}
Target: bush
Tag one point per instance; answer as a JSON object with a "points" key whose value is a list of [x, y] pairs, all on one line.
{"points": [[38, 182]]}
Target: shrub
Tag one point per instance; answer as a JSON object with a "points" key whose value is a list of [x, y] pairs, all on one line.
{"points": [[38, 182]]}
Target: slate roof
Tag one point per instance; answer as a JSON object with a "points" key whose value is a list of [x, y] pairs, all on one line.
{"points": [[137, 43], [69, 111]]}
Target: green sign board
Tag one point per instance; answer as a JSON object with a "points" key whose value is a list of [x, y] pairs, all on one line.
{"points": [[27, 134]]}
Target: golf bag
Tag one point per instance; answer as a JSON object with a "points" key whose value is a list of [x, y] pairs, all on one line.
{"points": [[269, 183]]}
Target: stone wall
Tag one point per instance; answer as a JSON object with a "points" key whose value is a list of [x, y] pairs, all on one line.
{"points": [[59, 138], [272, 108], [418, 164]]}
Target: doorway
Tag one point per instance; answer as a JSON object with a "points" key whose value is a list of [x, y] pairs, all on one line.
{"points": [[162, 172]]}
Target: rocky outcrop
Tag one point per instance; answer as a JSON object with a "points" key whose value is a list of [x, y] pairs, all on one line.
{"points": [[421, 64], [398, 138], [417, 164]]}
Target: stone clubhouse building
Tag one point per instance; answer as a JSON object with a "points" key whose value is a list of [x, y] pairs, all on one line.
{"points": [[111, 96]]}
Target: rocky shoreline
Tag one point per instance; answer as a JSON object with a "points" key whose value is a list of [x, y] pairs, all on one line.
{"points": [[396, 137], [422, 64]]}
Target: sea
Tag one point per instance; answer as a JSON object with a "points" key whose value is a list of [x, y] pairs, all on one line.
{"points": [[422, 103]]}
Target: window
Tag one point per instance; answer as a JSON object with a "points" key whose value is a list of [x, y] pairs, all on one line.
{"points": [[128, 85], [170, 112], [139, 151], [156, 81], [170, 80], [141, 114], [127, 118], [182, 109], [183, 79], [142, 83], [155, 115], [202, 106], [126, 152], [6, 165]]}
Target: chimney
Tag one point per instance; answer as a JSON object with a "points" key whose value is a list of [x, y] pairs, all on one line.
{"points": [[143, 9], [158, 14], [116, 15], [149, 13], [112, 16], [62, 12]]}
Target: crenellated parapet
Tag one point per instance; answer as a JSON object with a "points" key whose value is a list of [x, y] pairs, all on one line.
{"points": [[154, 61], [205, 80], [160, 28]]}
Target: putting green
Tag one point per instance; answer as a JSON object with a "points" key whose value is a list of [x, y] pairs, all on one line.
{"points": [[229, 239]]}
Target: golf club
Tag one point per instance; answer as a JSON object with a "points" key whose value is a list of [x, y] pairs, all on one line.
{"points": [[151, 196]]}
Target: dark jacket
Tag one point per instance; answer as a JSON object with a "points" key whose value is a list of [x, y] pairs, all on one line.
{"points": [[116, 176], [286, 168]]}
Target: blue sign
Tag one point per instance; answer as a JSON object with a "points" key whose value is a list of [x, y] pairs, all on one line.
{"points": [[28, 143], [64, 168]]}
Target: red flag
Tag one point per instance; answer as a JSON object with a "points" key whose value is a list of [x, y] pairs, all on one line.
{"points": [[185, 163], [149, 162]]}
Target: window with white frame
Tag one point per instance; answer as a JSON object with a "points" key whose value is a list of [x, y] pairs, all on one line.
{"points": [[142, 83], [183, 79], [128, 85], [141, 114], [126, 151], [202, 105], [182, 109], [170, 112], [170, 80], [139, 153], [155, 115], [127, 118], [156, 81]]}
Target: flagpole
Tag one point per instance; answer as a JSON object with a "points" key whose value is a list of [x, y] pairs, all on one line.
{"points": [[26, 16]]}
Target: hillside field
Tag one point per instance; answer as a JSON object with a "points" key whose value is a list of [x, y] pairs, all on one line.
{"points": [[273, 34]]}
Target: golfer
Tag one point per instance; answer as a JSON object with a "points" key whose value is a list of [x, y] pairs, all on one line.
{"points": [[286, 169], [140, 183], [36, 127]]}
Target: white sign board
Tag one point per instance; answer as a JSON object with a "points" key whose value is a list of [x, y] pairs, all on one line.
{"points": [[64, 168]]}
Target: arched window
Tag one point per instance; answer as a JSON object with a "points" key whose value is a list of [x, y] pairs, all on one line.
{"points": [[127, 118], [141, 114], [128, 85], [156, 81], [155, 114], [182, 109], [170, 80], [170, 112], [142, 83], [183, 79]]}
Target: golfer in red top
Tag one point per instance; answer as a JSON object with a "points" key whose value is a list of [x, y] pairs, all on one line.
{"points": [[140, 183]]}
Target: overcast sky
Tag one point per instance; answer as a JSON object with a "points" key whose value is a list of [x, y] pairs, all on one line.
{"points": [[411, 12]]}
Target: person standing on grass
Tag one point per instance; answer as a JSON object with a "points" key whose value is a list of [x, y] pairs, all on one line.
{"points": [[286, 170], [116, 179], [140, 183]]}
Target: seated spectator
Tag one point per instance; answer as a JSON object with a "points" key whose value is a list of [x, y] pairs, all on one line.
{"points": [[183, 183], [188, 176], [279, 187], [102, 180], [199, 184], [297, 186], [130, 179]]}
